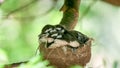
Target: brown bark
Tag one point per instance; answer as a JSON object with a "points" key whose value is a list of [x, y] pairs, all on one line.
{"points": [[113, 2], [70, 13]]}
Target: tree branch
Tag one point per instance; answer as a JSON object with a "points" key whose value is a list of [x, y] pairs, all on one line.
{"points": [[22, 7], [14, 64], [113, 2], [70, 13]]}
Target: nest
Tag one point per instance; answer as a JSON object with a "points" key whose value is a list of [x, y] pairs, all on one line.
{"points": [[64, 59]]}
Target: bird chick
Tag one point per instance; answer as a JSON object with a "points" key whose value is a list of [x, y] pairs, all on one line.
{"points": [[57, 35]]}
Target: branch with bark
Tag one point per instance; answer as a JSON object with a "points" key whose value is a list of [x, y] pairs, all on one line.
{"points": [[113, 2], [70, 13]]}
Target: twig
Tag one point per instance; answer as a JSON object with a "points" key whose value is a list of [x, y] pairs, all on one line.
{"points": [[22, 7]]}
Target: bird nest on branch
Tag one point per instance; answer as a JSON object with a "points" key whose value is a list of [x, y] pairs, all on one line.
{"points": [[64, 48], [64, 59], [62, 45]]}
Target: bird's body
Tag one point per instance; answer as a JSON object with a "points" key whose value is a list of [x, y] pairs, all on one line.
{"points": [[56, 36]]}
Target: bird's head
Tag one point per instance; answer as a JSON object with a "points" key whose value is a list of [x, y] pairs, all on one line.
{"points": [[50, 32]]}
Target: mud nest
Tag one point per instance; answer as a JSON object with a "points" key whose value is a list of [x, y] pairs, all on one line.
{"points": [[64, 59]]}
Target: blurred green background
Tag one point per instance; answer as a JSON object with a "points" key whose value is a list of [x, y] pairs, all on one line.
{"points": [[21, 22]]}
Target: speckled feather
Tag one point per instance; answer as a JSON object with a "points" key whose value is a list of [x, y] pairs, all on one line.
{"points": [[62, 37]]}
